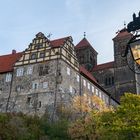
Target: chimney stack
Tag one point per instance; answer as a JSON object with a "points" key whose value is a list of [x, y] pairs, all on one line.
{"points": [[13, 51]]}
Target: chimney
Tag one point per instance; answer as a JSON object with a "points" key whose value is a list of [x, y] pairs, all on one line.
{"points": [[13, 51]]}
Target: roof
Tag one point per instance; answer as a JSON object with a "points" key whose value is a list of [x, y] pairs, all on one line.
{"points": [[7, 62], [104, 66], [58, 42], [122, 33], [84, 43], [88, 74]]}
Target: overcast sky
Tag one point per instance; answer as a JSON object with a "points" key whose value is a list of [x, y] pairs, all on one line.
{"points": [[21, 20]]}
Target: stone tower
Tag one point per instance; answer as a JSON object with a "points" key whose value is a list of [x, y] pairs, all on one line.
{"points": [[86, 54], [124, 77]]}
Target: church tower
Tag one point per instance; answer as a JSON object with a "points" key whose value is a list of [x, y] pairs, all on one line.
{"points": [[124, 77], [86, 54]]}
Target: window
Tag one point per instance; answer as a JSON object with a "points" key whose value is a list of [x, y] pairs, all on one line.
{"points": [[96, 91], [103, 97], [70, 49], [35, 85], [33, 56], [45, 84], [89, 86], [84, 82], [70, 89], [39, 104], [43, 70], [29, 70], [42, 54], [29, 100], [20, 72], [107, 99], [18, 88], [39, 46], [69, 57], [0, 90], [109, 81], [92, 89], [8, 77], [68, 71], [77, 77], [100, 94]]}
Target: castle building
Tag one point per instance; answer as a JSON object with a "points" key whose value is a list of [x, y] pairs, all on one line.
{"points": [[115, 76], [45, 74]]}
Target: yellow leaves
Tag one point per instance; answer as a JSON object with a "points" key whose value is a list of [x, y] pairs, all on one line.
{"points": [[87, 103]]}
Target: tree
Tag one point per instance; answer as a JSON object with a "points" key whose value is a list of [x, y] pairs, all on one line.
{"points": [[88, 125], [124, 122], [110, 124]]}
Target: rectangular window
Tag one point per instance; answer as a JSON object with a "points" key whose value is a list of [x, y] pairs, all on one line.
{"points": [[45, 84], [93, 89], [18, 88], [29, 100], [96, 91], [103, 97], [89, 86], [84, 82], [100, 94], [70, 89], [39, 104], [33, 56], [77, 77], [68, 71], [42, 54], [107, 99], [0, 90], [19, 72], [29, 70], [8, 77], [35, 85], [43, 70]]}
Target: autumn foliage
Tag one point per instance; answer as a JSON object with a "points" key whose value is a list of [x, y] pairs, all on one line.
{"points": [[87, 118]]}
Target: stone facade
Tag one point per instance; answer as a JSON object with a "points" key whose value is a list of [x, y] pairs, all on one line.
{"points": [[46, 75], [116, 77]]}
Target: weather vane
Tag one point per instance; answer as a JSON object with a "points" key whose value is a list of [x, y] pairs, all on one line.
{"points": [[49, 35]]}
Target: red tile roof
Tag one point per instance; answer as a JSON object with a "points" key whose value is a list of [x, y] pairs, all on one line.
{"points": [[88, 74], [58, 42], [104, 66], [84, 43], [122, 33], [7, 62]]}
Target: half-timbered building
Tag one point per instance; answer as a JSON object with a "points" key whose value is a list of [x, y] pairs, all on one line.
{"points": [[45, 74]]}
